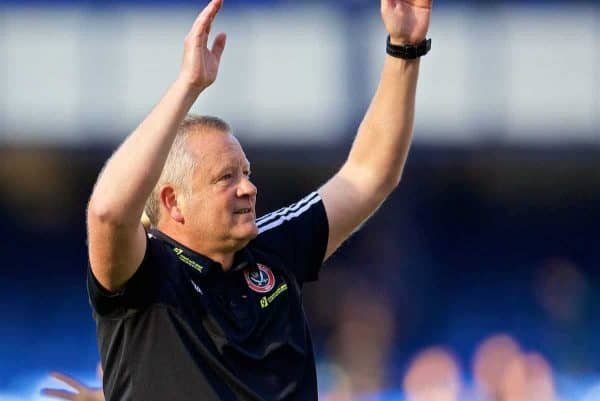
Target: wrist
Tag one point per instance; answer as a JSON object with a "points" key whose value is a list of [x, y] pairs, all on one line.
{"points": [[407, 51], [189, 86], [401, 41]]}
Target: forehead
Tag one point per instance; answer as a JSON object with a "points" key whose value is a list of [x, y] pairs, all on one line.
{"points": [[214, 149]]}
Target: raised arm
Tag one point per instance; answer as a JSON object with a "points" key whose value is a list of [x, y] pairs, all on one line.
{"points": [[374, 166], [116, 238]]}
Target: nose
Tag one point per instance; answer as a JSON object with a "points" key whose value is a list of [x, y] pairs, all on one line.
{"points": [[246, 188]]}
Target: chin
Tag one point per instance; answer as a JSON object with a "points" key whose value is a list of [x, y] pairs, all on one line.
{"points": [[246, 233]]}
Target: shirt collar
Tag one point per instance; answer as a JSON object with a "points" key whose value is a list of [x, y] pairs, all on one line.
{"points": [[201, 264]]}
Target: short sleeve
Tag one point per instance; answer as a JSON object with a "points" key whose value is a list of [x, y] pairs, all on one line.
{"points": [[298, 234], [139, 292]]}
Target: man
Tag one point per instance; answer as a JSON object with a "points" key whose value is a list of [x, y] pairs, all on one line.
{"points": [[207, 305]]}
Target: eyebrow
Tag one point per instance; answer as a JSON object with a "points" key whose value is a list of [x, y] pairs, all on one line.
{"points": [[218, 173]]}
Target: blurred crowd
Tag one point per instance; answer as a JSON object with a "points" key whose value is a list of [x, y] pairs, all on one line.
{"points": [[501, 371], [361, 361]]}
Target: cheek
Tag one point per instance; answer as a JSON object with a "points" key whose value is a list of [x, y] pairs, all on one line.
{"points": [[198, 208], [213, 208], [222, 205]]}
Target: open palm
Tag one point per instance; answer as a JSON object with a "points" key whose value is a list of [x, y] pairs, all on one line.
{"points": [[201, 64], [407, 21]]}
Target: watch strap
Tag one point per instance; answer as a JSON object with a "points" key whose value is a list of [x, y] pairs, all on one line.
{"points": [[408, 51]]}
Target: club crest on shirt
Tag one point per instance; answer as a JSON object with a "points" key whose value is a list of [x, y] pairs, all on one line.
{"points": [[260, 280]]}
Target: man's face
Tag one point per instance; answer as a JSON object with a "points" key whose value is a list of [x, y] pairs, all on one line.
{"points": [[221, 205]]}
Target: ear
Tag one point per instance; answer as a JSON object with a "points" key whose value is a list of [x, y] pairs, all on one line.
{"points": [[170, 205]]}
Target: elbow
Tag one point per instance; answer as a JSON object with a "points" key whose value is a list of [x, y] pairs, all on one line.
{"points": [[385, 190], [379, 183], [381, 177], [102, 212], [389, 183], [99, 212]]}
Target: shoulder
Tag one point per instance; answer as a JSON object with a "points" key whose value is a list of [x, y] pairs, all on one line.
{"points": [[281, 219], [297, 234]]}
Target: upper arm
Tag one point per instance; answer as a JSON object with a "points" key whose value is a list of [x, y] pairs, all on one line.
{"points": [[350, 197], [115, 251]]}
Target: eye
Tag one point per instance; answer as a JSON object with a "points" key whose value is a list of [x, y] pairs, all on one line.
{"points": [[247, 173], [226, 177]]}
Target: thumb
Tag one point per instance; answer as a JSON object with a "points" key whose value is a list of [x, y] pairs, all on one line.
{"points": [[219, 45]]}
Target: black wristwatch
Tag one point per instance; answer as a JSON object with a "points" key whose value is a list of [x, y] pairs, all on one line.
{"points": [[408, 52]]}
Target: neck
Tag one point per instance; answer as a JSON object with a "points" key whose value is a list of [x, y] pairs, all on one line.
{"points": [[225, 259], [221, 252]]}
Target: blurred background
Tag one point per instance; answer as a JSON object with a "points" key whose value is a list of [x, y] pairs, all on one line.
{"points": [[479, 279]]}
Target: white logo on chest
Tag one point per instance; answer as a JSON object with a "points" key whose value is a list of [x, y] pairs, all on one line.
{"points": [[197, 288]]}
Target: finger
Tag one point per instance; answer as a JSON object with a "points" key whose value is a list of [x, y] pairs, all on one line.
{"points": [[219, 45], [205, 18], [204, 37], [55, 393], [419, 3], [68, 380], [208, 27], [208, 11], [219, 5]]}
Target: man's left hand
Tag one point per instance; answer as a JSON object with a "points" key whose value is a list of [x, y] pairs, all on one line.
{"points": [[407, 21], [81, 392]]}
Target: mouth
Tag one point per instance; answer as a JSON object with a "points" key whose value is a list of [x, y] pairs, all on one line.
{"points": [[243, 211]]}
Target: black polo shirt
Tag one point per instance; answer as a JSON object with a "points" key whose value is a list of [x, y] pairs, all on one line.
{"points": [[182, 329]]}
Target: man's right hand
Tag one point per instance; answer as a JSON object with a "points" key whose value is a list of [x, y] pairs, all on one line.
{"points": [[117, 240], [200, 64]]}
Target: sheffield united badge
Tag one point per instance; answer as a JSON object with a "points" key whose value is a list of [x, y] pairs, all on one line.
{"points": [[261, 279]]}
